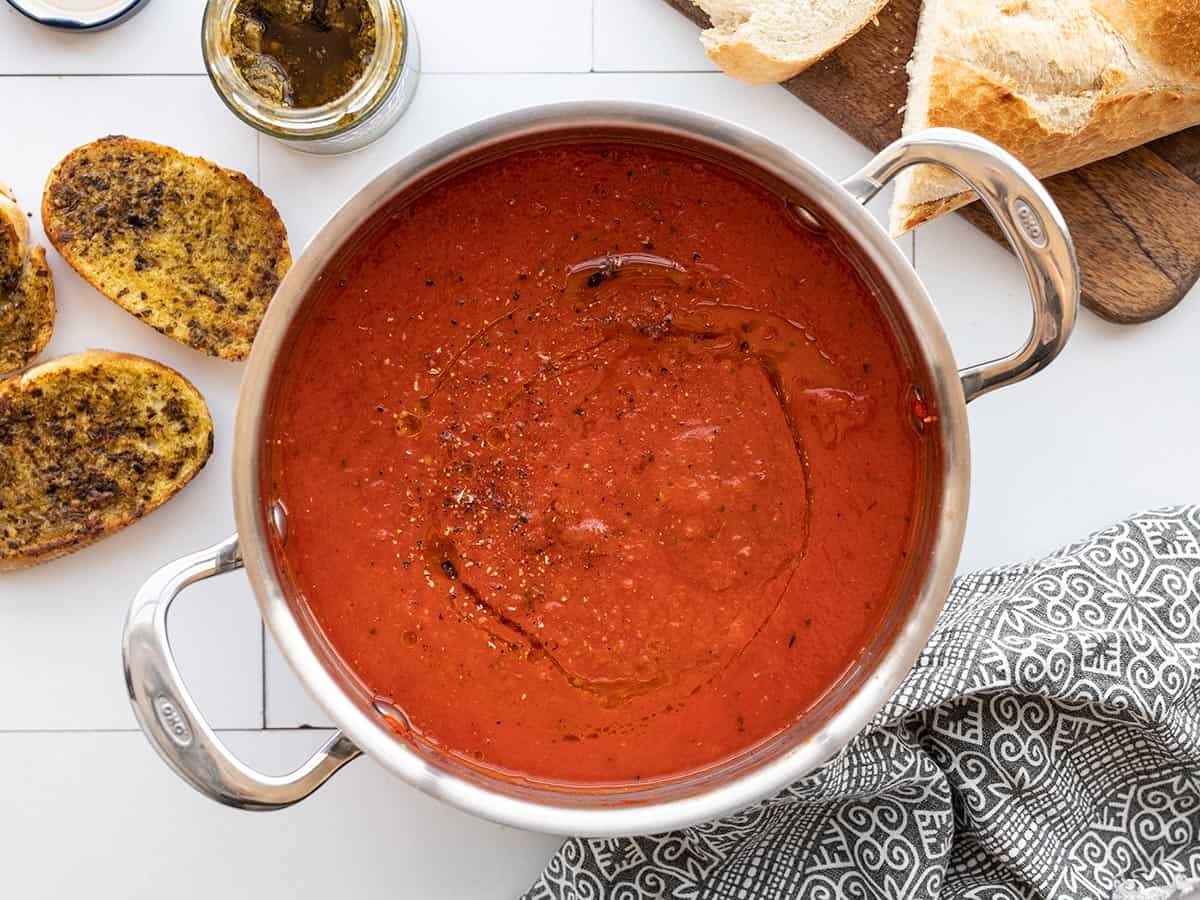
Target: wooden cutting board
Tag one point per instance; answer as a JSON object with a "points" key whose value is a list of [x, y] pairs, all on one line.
{"points": [[1135, 217]]}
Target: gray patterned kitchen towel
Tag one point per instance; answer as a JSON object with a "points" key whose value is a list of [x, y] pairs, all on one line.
{"points": [[1046, 745]]}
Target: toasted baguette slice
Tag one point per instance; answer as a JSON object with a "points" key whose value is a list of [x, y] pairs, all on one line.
{"points": [[88, 444], [190, 248], [26, 290], [765, 41], [1058, 83], [26, 314], [14, 238]]}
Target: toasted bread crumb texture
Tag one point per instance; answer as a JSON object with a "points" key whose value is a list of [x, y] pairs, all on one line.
{"points": [[27, 314], [188, 247], [764, 41], [88, 444]]}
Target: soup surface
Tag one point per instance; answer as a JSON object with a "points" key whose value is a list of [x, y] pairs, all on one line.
{"points": [[598, 466]]}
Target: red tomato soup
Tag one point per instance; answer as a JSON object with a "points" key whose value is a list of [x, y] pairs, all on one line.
{"points": [[598, 464]]}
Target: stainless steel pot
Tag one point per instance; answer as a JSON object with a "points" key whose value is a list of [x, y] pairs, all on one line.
{"points": [[1033, 226]]}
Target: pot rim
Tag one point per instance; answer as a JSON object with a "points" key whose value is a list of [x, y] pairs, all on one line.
{"points": [[836, 207]]}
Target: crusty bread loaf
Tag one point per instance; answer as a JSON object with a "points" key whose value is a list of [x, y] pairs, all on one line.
{"points": [[88, 444], [765, 41], [188, 247], [1058, 83]]}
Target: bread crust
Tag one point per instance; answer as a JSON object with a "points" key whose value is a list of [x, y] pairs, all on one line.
{"points": [[746, 62], [1128, 109], [1166, 32], [184, 430], [965, 97], [192, 249], [749, 61]]}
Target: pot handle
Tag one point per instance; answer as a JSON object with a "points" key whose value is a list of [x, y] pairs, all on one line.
{"points": [[1029, 219], [169, 716]]}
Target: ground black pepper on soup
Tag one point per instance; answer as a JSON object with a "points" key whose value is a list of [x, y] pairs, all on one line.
{"points": [[599, 465]]}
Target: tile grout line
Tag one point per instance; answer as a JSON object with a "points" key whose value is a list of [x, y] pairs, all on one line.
{"points": [[135, 730], [425, 74], [262, 626], [262, 635], [102, 74], [592, 67]]}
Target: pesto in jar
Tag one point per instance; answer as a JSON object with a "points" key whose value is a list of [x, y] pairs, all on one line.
{"points": [[302, 53]]}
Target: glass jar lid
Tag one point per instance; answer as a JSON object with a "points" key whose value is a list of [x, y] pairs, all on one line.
{"points": [[78, 15]]}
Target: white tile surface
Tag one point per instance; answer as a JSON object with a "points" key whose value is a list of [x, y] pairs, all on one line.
{"points": [[466, 36], [98, 815], [287, 702], [486, 36], [642, 36], [163, 37], [1108, 429], [60, 624]]}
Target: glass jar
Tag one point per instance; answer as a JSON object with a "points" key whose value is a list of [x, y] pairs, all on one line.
{"points": [[353, 120]]}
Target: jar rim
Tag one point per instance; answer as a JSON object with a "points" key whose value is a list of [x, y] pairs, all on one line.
{"points": [[339, 115]]}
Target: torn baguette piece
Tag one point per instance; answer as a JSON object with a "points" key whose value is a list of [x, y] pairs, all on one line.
{"points": [[1057, 83], [88, 444], [190, 248], [767, 41]]}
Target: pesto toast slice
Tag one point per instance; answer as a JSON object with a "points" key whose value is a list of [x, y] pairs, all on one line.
{"points": [[88, 444], [26, 314], [190, 248], [14, 238], [26, 290]]}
